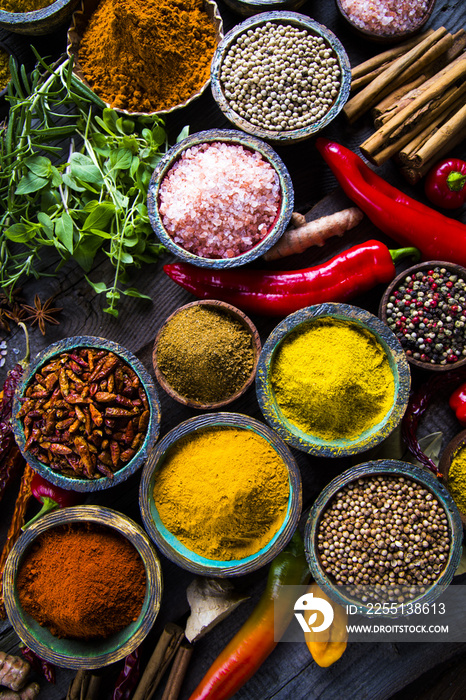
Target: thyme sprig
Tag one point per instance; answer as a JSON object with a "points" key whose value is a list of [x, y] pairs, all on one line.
{"points": [[74, 179]]}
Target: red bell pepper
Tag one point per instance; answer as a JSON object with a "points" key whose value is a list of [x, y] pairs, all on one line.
{"points": [[259, 635], [276, 293], [445, 184], [51, 497], [407, 221], [458, 403]]}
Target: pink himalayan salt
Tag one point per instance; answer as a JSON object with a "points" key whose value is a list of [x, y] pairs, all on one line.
{"points": [[219, 199], [385, 16]]}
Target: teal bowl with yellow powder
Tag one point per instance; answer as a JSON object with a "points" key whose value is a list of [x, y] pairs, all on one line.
{"points": [[453, 467], [332, 380], [220, 495], [35, 18]]}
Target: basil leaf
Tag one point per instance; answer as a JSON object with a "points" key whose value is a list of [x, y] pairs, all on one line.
{"points": [[100, 217], [39, 165], [121, 159], [70, 182], [20, 233], [30, 183], [64, 231], [81, 166], [98, 287], [46, 223], [131, 292]]}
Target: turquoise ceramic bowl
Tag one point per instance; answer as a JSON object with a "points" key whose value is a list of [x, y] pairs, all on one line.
{"points": [[103, 482], [231, 137], [43, 21], [310, 443], [394, 468], [170, 545], [69, 653], [246, 8], [302, 22]]}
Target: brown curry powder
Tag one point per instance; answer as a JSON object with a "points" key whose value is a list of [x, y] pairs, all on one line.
{"points": [[15, 6], [147, 57], [82, 581]]}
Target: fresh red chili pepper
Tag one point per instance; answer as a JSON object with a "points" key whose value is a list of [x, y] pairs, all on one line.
{"points": [[276, 293], [458, 403], [51, 497], [445, 184], [407, 221], [417, 405], [129, 676], [259, 636]]}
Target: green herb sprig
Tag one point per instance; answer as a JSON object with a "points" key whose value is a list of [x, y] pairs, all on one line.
{"points": [[74, 179]]}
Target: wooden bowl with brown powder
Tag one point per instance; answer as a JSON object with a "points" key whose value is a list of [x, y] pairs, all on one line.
{"points": [[101, 527], [205, 354]]}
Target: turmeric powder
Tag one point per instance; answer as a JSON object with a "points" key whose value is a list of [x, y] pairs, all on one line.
{"points": [[223, 492], [147, 57]]}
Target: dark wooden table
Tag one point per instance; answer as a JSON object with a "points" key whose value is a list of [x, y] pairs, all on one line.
{"points": [[367, 670]]}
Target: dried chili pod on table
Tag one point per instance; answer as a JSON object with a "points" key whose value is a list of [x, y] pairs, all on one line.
{"points": [[129, 676], [40, 665]]}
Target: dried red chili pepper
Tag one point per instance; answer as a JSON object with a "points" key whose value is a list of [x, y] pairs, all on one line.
{"points": [[275, 293], [129, 676], [417, 405], [40, 665], [407, 221], [445, 184], [458, 403]]}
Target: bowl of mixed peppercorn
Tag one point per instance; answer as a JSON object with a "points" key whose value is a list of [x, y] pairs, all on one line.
{"points": [[425, 307], [87, 414]]}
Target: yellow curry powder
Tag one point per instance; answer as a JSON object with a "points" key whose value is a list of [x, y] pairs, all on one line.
{"points": [[332, 379], [4, 69], [223, 492], [457, 478], [24, 5]]}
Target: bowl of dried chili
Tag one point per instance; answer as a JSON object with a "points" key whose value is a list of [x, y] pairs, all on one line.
{"points": [[86, 414], [83, 586], [332, 380]]}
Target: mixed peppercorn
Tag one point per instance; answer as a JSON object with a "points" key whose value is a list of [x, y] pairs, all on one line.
{"points": [[427, 313], [85, 413]]}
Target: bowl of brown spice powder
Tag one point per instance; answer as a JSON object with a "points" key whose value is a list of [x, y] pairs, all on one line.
{"points": [[82, 587], [35, 17], [205, 354], [145, 58]]}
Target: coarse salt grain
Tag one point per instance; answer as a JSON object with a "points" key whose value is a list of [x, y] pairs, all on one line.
{"points": [[219, 199], [385, 17]]}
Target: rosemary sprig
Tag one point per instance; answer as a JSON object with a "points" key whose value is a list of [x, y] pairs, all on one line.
{"points": [[74, 179]]}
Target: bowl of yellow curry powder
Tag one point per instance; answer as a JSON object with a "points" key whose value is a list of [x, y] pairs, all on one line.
{"points": [[35, 17], [145, 58], [220, 495], [332, 380], [453, 467], [83, 586]]}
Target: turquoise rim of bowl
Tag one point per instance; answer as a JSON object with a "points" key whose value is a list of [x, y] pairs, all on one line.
{"points": [[312, 444], [249, 7], [170, 546], [391, 467], [103, 482], [299, 20], [71, 653], [232, 137]]}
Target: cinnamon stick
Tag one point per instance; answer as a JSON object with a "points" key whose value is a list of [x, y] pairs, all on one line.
{"points": [[371, 94], [358, 83], [378, 140], [178, 671], [387, 56], [454, 127], [162, 655], [413, 175], [393, 99]]}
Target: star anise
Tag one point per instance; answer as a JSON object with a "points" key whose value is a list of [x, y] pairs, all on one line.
{"points": [[16, 313], [11, 296], [42, 313]]}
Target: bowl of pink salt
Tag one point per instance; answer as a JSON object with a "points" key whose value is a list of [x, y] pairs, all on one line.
{"points": [[386, 21], [220, 198]]}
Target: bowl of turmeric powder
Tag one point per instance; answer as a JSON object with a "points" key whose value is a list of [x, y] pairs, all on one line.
{"points": [[82, 586], [35, 17], [220, 495], [145, 58], [332, 380]]}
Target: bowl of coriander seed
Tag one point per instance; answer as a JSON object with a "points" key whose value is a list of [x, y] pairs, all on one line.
{"points": [[280, 76]]}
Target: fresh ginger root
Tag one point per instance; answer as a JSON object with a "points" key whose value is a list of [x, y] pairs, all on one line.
{"points": [[14, 672], [30, 692]]}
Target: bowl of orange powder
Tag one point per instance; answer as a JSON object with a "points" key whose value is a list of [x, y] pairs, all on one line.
{"points": [[145, 58], [35, 17], [82, 587]]}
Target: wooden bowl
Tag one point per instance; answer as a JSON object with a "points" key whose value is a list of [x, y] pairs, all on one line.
{"points": [[386, 38], [230, 137], [302, 22], [453, 447], [72, 653], [78, 26], [397, 282], [171, 546], [103, 482], [312, 444], [394, 468], [255, 344], [43, 21]]}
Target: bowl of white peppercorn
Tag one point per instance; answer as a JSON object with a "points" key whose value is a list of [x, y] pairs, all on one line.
{"points": [[280, 76], [384, 536]]}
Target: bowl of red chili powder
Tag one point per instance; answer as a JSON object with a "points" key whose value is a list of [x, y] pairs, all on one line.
{"points": [[82, 587], [220, 198]]}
